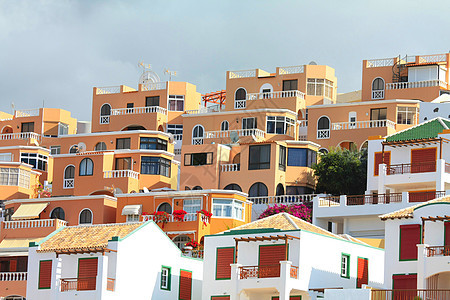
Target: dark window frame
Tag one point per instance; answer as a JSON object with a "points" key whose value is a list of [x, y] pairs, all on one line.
{"points": [[147, 143], [254, 159], [196, 159], [123, 143]]}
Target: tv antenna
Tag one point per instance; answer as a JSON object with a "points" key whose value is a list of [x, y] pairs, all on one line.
{"points": [[170, 73], [148, 76]]}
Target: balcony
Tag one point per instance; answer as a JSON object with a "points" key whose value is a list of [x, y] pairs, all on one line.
{"points": [[26, 113], [374, 199], [269, 271], [78, 284], [187, 218], [242, 74], [230, 167], [438, 251], [121, 174], [39, 223], [363, 124], [20, 136], [282, 199], [153, 86], [13, 276], [411, 168], [416, 84], [410, 294], [138, 110], [203, 110], [241, 132], [275, 95]]}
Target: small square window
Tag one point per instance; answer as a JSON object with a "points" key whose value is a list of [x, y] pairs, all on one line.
{"points": [[345, 265], [165, 278]]}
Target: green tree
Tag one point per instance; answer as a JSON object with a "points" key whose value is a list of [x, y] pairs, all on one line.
{"points": [[341, 172]]}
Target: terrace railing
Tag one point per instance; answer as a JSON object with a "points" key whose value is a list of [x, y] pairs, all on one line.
{"points": [[13, 276], [78, 284], [374, 199], [282, 199], [415, 84], [410, 294], [275, 95], [411, 168], [139, 110], [363, 124], [438, 251]]}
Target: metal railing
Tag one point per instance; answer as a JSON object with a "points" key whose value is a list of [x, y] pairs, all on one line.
{"points": [[411, 168], [410, 294], [377, 94], [267, 271], [27, 113], [241, 132], [447, 168], [153, 86], [383, 62], [104, 119], [187, 218], [242, 74], [291, 70], [230, 167], [13, 276], [438, 251], [108, 90], [139, 110], [330, 201], [110, 284], [415, 84], [120, 174], [197, 141], [194, 253], [282, 199], [40, 223], [323, 134], [20, 136], [78, 284], [363, 124], [374, 199], [240, 104], [275, 95], [69, 183], [425, 196], [294, 272]]}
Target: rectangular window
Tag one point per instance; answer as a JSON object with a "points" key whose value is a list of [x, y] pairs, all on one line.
{"points": [[175, 128], [290, 85], [345, 265], [259, 157], [300, 157], [409, 238], [198, 159], [282, 159], [280, 125], [191, 206], [28, 127], [150, 143], [249, 123], [123, 163], [319, 87], [155, 166], [15, 177], [132, 218], [63, 129], [45, 274], [228, 208], [152, 101], [224, 258], [165, 278], [123, 143], [406, 115], [378, 114], [55, 150], [38, 161], [185, 289], [176, 102]]}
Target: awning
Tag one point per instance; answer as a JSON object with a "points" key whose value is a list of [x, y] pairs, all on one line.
{"points": [[29, 211], [132, 210], [18, 243]]}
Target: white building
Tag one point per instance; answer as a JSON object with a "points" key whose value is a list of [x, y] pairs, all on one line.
{"points": [[284, 257], [114, 261], [416, 169], [439, 107]]}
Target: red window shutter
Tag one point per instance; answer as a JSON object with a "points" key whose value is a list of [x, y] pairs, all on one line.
{"points": [[87, 273], [421, 196], [404, 282], [290, 298], [447, 233], [363, 272], [423, 160], [45, 274], [225, 257], [13, 265], [185, 285], [378, 160], [220, 298], [269, 260], [409, 238]]}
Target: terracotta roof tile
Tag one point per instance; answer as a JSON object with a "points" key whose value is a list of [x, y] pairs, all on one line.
{"points": [[409, 211], [86, 236]]}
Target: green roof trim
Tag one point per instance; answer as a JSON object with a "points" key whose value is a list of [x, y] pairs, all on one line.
{"points": [[247, 231], [426, 130]]}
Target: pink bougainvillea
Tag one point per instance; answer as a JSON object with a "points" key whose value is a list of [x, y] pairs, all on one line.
{"points": [[301, 211]]}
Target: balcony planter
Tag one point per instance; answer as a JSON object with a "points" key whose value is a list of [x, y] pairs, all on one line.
{"points": [[192, 245], [178, 215], [161, 217], [206, 216]]}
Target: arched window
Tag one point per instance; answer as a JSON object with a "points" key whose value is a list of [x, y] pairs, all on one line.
{"points": [[239, 98], [233, 187], [197, 135], [69, 175], [378, 88], [197, 188], [86, 167], [73, 149], [86, 216], [323, 128], [224, 126], [323, 151], [165, 207], [258, 189], [280, 190], [58, 213], [181, 240], [105, 112], [100, 146]]}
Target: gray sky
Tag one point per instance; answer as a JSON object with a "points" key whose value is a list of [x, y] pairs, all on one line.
{"points": [[57, 50]]}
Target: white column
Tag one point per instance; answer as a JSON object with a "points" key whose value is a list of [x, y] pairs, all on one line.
{"points": [[234, 292], [56, 274], [440, 175], [421, 266], [343, 200], [405, 197], [382, 179], [102, 273], [285, 276]]}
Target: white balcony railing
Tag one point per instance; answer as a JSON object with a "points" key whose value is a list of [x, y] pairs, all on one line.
{"points": [[384, 62], [323, 134], [432, 58], [415, 84], [69, 183], [139, 110], [282, 199], [241, 132], [40, 223], [187, 217], [108, 90], [121, 174], [363, 124], [242, 74], [290, 70], [203, 110], [230, 167], [377, 94], [178, 137], [197, 141], [275, 95], [154, 86], [20, 136], [27, 113], [104, 119], [13, 276], [240, 104]]}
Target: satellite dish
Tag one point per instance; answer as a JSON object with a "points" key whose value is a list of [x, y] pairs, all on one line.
{"points": [[171, 138], [234, 136], [145, 190], [312, 63], [81, 147], [255, 139]]}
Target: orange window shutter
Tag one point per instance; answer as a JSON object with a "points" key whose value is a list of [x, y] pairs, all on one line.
{"points": [[87, 273], [220, 298], [45, 274], [225, 257], [363, 272], [185, 285], [423, 160]]}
